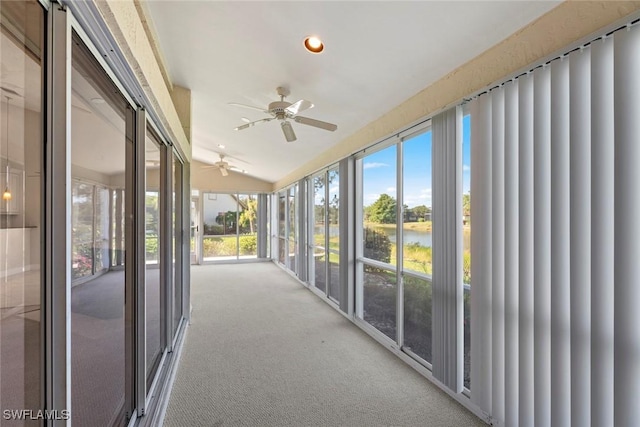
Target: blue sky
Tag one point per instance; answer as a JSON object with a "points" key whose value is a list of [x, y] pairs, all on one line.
{"points": [[379, 170]]}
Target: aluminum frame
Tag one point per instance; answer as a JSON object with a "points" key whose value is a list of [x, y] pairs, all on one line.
{"points": [[57, 238]]}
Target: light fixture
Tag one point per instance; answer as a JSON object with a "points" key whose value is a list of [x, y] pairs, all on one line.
{"points": [[220, 146], [6, 195], [313, 44], [98, 100]]}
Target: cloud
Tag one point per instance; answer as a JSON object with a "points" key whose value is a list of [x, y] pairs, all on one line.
{"points": [[334, 189], [391, 189], [370, 198], [372, 165], [466, 168]]}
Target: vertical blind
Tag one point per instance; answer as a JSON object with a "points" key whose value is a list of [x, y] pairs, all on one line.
{"points": [[555, 295]]}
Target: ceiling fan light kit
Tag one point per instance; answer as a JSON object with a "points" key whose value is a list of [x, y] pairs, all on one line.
{"points": [[285, 111]]}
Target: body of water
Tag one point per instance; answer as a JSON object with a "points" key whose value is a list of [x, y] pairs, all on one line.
{"points": [[423, 238], [410, 236]]}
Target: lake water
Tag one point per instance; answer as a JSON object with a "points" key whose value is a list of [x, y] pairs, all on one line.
{"points": [[410, 236]]}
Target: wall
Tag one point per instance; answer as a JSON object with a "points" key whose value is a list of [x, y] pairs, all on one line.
{"points": [[205, 178], [125, 22], [568, 23]]}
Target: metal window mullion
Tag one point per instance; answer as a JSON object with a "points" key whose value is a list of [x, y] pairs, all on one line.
{"points": [[166, 278], [140, 187], [111, 228], [399, 246], [311, 228], [327, 229], [302, 234], [358, 233], [185, 204], [94, 192], [237, 226], [131, 260], [57, 265]]}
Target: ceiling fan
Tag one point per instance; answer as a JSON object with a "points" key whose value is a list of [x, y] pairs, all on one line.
{"points": [[224, 167], [285, 111]]}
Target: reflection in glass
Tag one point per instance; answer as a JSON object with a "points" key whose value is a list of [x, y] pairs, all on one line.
{"points": [[379, 299], [21, 142], [101, 224], [99, 369], [152, 256], [82, 233], [417, 316]]}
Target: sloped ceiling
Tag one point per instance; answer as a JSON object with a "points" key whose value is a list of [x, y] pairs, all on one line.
{"points": [[377, 55]]}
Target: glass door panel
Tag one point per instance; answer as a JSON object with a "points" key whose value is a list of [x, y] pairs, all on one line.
{"points": [[21, 157], [155, 315], [101, 369]]}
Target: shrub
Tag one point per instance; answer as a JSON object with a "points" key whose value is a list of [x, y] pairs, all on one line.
{"points": [[248, 244], [376, 245]]}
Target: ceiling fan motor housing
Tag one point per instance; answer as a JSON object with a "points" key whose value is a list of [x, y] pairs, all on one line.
{"points": [[278, 107]]}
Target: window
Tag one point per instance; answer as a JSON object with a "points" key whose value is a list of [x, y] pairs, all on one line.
{"points": [[21, 155], [100, 162], [416, 244], [378, 202], [155, 315], [466, 245]]}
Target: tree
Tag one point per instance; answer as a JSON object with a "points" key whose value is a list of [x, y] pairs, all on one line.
{"points": [[466, 204], [383, 210], [421, 211], [249, 215]]}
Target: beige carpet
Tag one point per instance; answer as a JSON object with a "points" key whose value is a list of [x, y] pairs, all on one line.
{"points": [[264, 351]]}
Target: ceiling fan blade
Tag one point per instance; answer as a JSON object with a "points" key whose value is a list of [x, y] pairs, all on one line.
{"points": [[248, 125], [224, 172], [235, 104], [289, 134], [316, 123], [296, 107]]}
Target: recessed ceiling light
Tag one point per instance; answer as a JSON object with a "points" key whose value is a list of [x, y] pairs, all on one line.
{"points": [[98, 100], [313, 44], [244, 119], [221, 146]]}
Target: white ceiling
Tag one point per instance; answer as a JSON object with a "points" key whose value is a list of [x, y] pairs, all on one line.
{"points": [[377, 55]]}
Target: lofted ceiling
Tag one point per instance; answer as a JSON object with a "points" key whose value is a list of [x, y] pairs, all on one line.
{"points": [[377, 55]]}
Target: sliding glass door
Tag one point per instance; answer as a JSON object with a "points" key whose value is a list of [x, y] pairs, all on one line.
{"points": [[22, 28], [394, 263], [101, 321]]}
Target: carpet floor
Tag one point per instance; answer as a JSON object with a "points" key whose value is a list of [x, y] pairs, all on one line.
{"points": [[262, 350]]}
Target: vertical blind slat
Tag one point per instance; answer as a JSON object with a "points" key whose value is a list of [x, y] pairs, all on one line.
{"points": [[481, 254], [602, 231], [560, 247], [542, 245], [627, 227], [580, 230], [511, 255], [497, 258], [525, 333]]}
